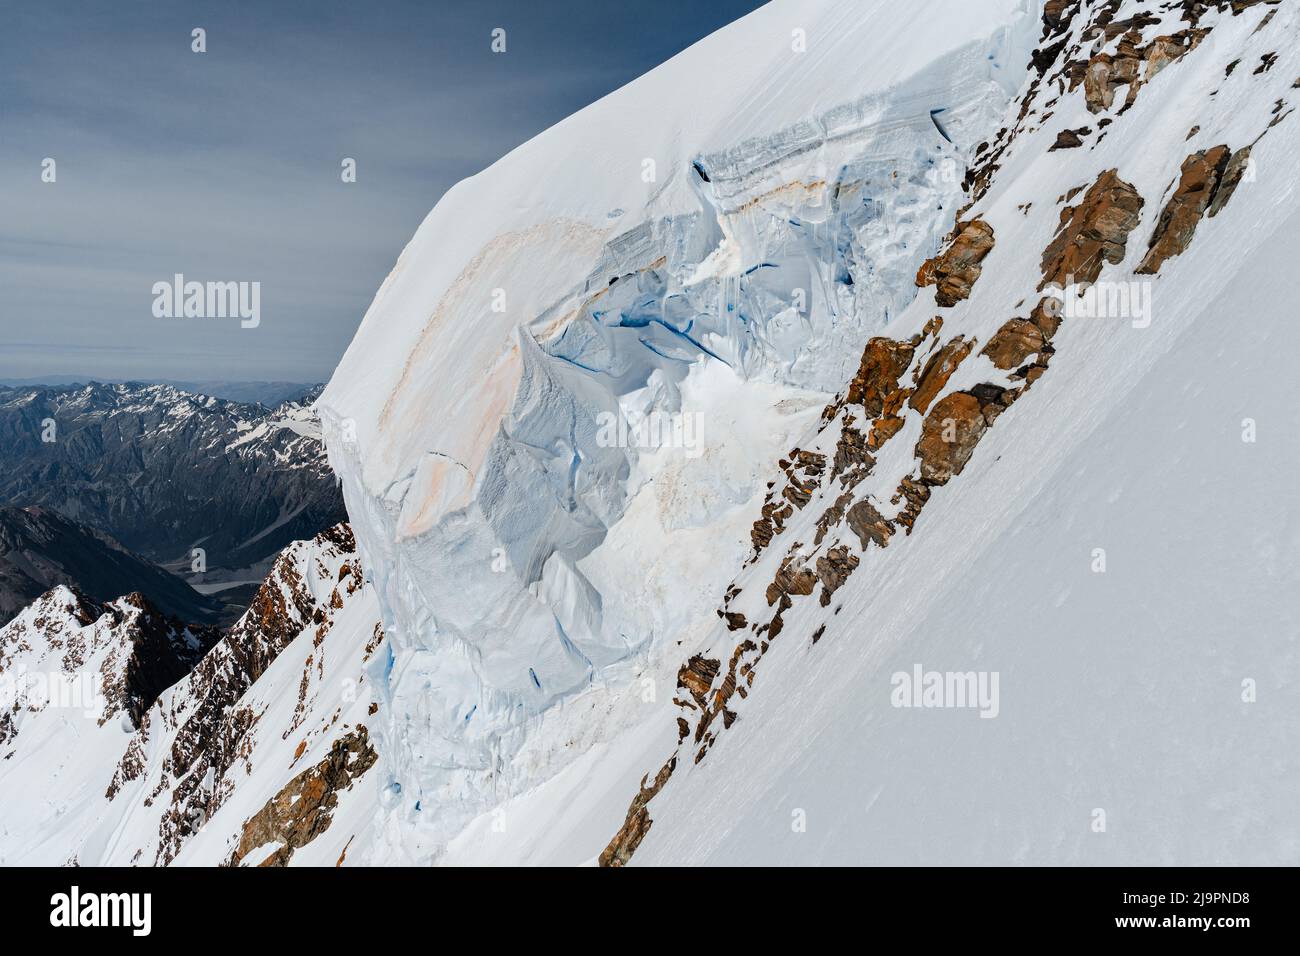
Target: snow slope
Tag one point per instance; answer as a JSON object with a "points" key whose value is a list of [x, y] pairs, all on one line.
{"points": [[186, 775], [1156, 692], [716, 260]]}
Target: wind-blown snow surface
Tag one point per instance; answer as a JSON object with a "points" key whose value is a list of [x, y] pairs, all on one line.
{"points": [[541, 587], [715, 241], [1126, 692]]}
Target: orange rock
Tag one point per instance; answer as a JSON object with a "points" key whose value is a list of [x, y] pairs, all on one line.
{"points": [[1013, 343], [948, 436], [883, 363], [883, 429], [1093, 232], [1202, 173], [938, 370], [1046, 317], [956, 269]]}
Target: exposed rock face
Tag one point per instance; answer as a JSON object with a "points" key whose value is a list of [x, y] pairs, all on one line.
{"points": [[303, 809], [938, 370], [955, 270], [696, 677], [833, 569], [1162, 51], [1056, 14], [1208, 180], [949, 435], [1013, 343], [851, 455], [791, 580], [869, 524], [1069, 139], [637, 824], [1093, 232], [1098, 85], [1232, 176], [883, 363], [159, 651], [803, 471], [1132, 64], [207, 727], [1046, 317]]}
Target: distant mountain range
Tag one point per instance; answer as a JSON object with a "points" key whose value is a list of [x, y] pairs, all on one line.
{"points": [[269, 394], [178, 478]]}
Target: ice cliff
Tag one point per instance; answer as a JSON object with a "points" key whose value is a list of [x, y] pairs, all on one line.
{"points": [[554, 423]]}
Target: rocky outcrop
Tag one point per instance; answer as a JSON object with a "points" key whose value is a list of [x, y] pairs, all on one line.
{"points": [[133, 649], [852, 459], [869, 524], [182, 735], [304, 808], [637, 824], [1132, 64], [1100, 80], [1013, 343], [883, 363], [948, 436], [802, 471], [934, 376], [211, 731], [696, 677], [1208, 179], [957, 268], [1162, 51], [1070, 138], [1093, 232], [791, 579], [158, 652], [1233, 174], [833, 569]]}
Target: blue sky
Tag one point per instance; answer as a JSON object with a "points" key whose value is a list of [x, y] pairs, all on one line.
{"points": [[225, 165]]}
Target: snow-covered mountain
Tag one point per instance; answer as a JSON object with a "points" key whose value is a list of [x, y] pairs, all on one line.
{"points": [[127, 738], [802, 455], [683, 437], [166, 472]]}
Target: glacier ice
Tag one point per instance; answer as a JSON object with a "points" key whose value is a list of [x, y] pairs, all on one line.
{"points": [[520, 555]]}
